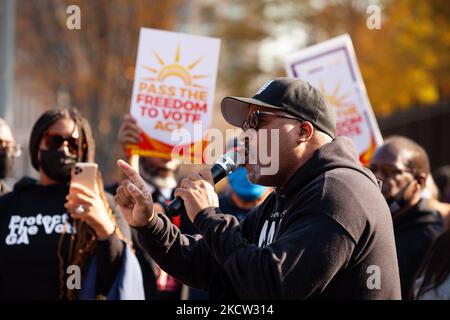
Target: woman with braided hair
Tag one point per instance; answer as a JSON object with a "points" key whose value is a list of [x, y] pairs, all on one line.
{"points": [[49, 248]]}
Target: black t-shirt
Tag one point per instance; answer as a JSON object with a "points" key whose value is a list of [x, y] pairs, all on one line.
{"points": [[35, 232], [32, 220]]}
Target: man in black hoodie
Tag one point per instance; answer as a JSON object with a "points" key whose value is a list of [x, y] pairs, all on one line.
{"points": [[325, 233], [403, 166]]}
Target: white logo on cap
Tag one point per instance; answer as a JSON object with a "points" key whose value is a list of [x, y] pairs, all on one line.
{"points": [[264, 87]]}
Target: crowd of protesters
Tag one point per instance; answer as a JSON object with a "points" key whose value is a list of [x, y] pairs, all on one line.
{"points": [[310, 231]]}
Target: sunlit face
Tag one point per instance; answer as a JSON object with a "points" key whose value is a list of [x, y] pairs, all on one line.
{"points": [[7, 142], [6, 135], [390, 167], [277, 149]]}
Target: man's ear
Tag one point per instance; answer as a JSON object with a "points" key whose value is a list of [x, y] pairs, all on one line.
{"points": [[306, 131]]}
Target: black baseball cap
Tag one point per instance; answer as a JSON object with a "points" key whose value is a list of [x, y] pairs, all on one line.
{"points": [[294, 96]]}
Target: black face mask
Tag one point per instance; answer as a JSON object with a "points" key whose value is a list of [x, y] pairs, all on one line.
{"points": [[398, 201], [56, 164], [6, 164]]}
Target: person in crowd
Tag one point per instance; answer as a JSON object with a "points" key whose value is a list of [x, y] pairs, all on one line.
{"points": [[160, 177], [317, 236], [63, 241], [242, 195], [9, 150], [441, 197], [403, 167], [442, 179], [433, 281]]}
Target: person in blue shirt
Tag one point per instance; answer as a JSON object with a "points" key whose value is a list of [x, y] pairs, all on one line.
{"points": [[242, 195]]}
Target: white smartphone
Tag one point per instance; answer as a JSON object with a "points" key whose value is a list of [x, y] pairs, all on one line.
{"points": [[85, 174]]}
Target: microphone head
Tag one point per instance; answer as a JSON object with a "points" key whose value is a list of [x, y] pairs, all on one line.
{"points": [[231, 160]]}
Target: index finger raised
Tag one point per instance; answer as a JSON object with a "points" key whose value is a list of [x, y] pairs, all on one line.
{"points": [[131, 174]]}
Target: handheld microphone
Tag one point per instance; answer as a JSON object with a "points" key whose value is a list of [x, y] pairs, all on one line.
{"points": [[221, 168]]}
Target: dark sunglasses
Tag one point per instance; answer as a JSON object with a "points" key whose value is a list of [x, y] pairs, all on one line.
{"points": [[55, 141], [253, 119], [389, 171]]}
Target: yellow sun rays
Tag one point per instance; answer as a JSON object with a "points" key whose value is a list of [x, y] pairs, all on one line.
{"points": [[175, 69], [335, 98]]}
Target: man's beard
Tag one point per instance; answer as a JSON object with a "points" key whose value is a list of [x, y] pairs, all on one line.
{"points": [[250, 155]]}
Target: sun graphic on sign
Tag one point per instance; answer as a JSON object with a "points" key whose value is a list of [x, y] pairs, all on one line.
{"points": [[335, 98], [175, 69]]}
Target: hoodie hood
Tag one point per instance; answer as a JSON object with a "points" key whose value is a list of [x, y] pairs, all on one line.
{"points": [[339, 153]]}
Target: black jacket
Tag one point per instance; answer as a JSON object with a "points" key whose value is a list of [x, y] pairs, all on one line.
{"points": [[32, 219], [415, 231], [328, 235]]}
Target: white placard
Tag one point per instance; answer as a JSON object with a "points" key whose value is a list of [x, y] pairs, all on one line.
{"points": [[174, 86], [331, 66]]}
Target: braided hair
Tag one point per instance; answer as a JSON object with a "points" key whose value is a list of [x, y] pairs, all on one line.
{"points": [[82, 244]]}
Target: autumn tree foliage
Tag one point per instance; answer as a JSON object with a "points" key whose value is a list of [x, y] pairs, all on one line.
{"points": [[92, 68], [404, 63]]}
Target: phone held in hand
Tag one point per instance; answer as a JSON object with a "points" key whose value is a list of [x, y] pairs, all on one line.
{"points": [[85, 174]]}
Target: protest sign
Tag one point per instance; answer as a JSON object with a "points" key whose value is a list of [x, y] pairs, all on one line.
{"points": [[331, 66], [173, 91]]}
